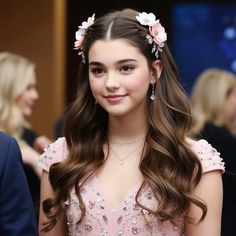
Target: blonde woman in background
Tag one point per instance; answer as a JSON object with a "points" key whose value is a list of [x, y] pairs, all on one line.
{"points": [[213, 103], [17, 96]]}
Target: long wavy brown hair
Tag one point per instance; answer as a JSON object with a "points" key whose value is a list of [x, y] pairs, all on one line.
{"points": [[168, 165]]}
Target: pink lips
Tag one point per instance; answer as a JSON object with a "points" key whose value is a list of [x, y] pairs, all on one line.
{"points": [[114, 98]]}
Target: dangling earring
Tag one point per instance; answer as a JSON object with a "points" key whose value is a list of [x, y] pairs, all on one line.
{"points": [[152, 96], [96, 102]]}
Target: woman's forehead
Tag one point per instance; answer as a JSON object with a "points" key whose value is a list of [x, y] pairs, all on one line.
{"points": [[113, 50]]}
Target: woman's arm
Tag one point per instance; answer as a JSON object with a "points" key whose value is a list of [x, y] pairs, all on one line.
{"points": [[60, 229], [40, 143], [211, 192], [31, 157]]}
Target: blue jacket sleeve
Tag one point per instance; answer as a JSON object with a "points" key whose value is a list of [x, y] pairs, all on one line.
{"points": [[16, 210]]}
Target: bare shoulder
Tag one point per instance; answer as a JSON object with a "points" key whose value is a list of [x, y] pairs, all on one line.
{"points": [[190, 141]]}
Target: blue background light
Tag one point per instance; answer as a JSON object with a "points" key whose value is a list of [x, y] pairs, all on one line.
{"points": [[203, 36]]}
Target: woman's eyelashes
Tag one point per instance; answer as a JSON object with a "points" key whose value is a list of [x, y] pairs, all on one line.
{"points": [[126, 69], [99, 71]]}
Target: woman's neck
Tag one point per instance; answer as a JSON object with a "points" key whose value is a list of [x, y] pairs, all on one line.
{"points": [[128, 129]]}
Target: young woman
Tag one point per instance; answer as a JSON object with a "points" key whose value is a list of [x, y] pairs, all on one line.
{"points": [[126, 165], [17, 96]]}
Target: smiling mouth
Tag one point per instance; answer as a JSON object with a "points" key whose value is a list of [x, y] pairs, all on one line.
{"points": [[30, 105], [114, 98]]}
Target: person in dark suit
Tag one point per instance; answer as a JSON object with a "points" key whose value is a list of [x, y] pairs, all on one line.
{"points": [[17, 216]]}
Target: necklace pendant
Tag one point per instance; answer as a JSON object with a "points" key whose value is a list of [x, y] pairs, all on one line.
{"points": [[121, 163]]}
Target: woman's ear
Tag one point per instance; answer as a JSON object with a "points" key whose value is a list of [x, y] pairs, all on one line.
{"points": [[156, 71]]}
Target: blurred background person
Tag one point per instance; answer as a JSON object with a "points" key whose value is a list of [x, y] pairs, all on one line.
{"points": [[59, 126], [16, 209], [17, 96], [213, 102]]}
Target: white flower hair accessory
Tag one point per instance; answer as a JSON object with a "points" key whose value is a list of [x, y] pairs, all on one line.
{"points": [[157, 35], [79, 35]]}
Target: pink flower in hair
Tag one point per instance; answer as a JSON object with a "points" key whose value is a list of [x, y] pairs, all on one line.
{"points": [[79, 34], [87, 23], [156, 30], [158, 33]]}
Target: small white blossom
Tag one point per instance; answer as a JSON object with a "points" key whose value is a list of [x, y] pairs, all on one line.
{"points": [[147, 19], [79, 34]]}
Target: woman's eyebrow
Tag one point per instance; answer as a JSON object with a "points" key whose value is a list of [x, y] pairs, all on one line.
{"points": [[96, 63]]}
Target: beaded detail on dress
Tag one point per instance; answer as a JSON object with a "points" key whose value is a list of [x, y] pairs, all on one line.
{"points": [[208, 156], [100, 219]]}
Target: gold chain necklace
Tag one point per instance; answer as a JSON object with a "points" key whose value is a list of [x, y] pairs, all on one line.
{"points": [[125, 143], [122, 160]]}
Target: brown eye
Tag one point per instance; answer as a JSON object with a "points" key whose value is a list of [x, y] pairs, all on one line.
{"points": [[126, 69], [97, 71]]}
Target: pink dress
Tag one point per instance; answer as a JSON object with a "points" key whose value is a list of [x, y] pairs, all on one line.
{"points": [[100, 219]]}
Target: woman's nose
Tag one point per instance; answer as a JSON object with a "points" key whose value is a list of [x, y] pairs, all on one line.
{"points": [[112, 81], [35, 94]]}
